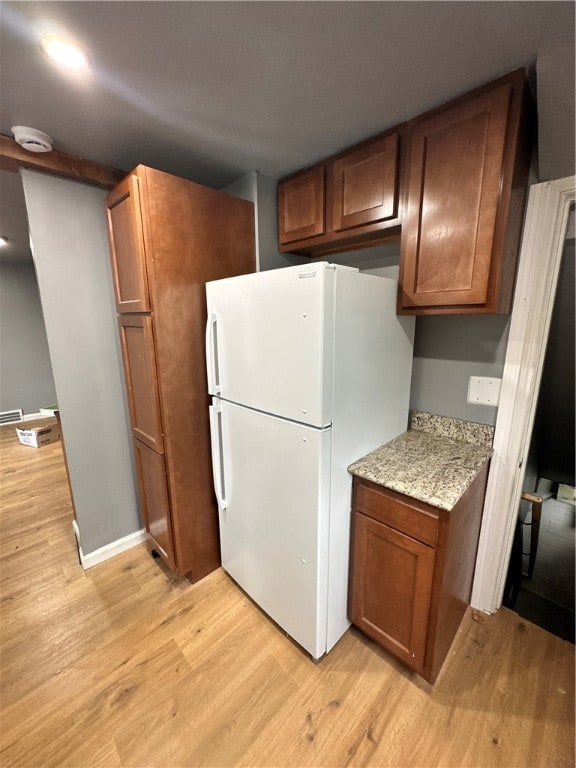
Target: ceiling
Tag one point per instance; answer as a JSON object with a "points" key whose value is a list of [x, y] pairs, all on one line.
{"points": [[212, 90]]}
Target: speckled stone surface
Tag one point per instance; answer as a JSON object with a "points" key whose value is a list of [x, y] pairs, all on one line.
{"points": [[432, 468], [457, 429]]}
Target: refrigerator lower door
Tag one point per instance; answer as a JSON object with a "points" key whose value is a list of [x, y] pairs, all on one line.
{"points": [[273, 491]]}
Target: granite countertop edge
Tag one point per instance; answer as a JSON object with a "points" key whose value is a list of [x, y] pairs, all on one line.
{"points": [[427, 466]]}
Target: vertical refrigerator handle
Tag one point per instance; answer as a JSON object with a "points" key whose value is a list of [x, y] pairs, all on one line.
{"points": [[217, 455], [212, 355]]}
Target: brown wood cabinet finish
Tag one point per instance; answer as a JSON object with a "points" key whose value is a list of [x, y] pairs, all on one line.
{"points": [[127, 246], [396, 612], [153, 487], [301, 206], [466, 179], [364, 184], [137, 341], [189, 235], [450, 184], [411, 570], [348, 201], [416, 521]]}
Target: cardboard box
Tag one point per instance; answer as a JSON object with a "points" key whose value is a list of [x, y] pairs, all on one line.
{"points": [[38, 436], [566, 493]]}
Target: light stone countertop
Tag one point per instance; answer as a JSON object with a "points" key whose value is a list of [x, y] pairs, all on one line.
{"points": [[430, 467]]}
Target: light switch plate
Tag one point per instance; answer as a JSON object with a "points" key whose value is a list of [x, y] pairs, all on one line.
{"points": [[484, 390]]}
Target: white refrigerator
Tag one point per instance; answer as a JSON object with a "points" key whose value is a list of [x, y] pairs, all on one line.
{"points": [[309, 369]]}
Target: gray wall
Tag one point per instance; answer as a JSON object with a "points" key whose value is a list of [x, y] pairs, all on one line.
{"points": [[447, 351], [70, 250], [26, 379], [555, 74], [261, 190]]}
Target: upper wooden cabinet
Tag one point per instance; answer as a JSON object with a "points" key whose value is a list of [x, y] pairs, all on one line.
{"points": [[301, 206], [466, 180], [350, 200], [450, 185], [127, 247], [364, 184]]}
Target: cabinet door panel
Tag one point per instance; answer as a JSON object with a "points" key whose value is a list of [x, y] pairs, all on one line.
{"points": [[454, 185], [364, 184], [154, 499], [391, 588], [127, 247], [141, 379], [301, 206]]}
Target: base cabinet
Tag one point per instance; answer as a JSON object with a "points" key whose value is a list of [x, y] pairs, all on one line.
{"points": [[168, 237], [393, 582], [137, 341], [411, 571]]}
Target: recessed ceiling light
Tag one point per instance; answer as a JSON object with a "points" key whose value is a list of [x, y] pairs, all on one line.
{"points": [[3, 241], [66, 54]]}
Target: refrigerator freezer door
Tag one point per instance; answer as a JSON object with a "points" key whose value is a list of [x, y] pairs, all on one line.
{"points": [[269, 341], [274, 527]]}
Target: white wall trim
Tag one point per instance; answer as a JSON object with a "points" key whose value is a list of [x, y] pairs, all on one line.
{"points": [[34, 416], [109, 550], [540, 258]]}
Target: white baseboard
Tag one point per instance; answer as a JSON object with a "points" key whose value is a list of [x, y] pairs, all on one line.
{"points": [[35, 416], [108, 550]]}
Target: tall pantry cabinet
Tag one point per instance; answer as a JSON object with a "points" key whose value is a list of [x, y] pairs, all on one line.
{"points": [[168, 237]]}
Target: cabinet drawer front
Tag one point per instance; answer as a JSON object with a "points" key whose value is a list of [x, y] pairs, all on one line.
{"points": [[365, 185], [154, 499], [392, 576], [422, 526], [301, 206]]}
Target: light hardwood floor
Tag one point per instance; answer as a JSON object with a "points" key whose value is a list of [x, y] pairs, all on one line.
{"points": [[128, 665]]}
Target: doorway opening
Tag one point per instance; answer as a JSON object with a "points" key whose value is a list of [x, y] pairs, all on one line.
{"points": [[543, 239], [540, 582]]}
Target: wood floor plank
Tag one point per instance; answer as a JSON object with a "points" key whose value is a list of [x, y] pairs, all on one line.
{"points": [[331, 715], [240, 718], [127, 664], [203, 710], [97, 708]]}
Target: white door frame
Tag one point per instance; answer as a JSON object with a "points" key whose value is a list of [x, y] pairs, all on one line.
{"points": [[540, 256]]}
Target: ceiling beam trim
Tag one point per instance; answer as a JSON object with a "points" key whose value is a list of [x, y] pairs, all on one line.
{"points": [[13, 157]]}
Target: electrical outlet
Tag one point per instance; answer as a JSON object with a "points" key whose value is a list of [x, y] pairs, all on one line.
{"points": [[483, 390]]}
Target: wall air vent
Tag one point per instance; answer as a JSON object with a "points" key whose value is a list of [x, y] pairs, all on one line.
{"points": [[7, 417]]}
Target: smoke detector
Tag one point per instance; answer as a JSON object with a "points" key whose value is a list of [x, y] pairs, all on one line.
{"points": [[31, 139]]}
